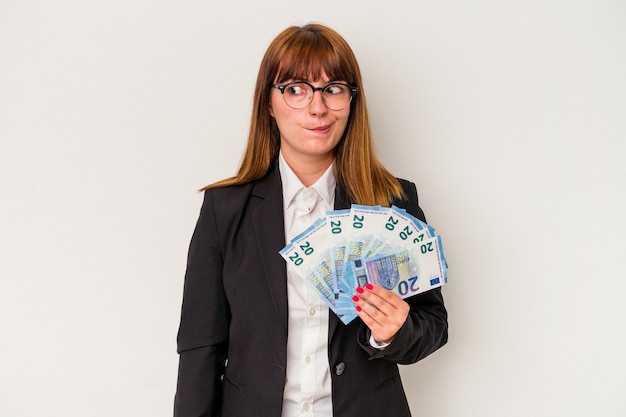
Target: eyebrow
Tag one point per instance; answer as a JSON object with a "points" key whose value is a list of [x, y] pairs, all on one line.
{"points": [[290, 81]]}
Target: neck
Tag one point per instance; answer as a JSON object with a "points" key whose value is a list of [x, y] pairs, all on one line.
{"points": [[309, 171]]}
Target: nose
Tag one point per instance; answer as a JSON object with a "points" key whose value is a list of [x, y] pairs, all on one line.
{"points": [[317, 105]]}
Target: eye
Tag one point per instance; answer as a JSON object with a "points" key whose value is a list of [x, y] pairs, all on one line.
{"points": [[296, 90], [335, 89]]}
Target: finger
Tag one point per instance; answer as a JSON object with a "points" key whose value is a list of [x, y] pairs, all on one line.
{"points": [[367, 319], [383, 306], [370, 295], [384, 322], [382, 299], [371, 314], [384, 294]]}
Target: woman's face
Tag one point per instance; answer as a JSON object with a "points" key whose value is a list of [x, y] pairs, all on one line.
{"points": [[309, 134]]}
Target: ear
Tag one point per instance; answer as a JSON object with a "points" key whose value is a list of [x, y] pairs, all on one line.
{"points": [[271, 110]]}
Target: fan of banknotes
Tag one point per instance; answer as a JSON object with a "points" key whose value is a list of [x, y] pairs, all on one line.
{"points": [[367, 244]]}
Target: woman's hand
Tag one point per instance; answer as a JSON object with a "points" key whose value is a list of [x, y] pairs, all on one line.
{"points": [[381, 310]]}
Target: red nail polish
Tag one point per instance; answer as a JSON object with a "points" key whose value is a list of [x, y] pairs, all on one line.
{"points": [[369, 286], [358, 308], [360, 290], [355, 298]]}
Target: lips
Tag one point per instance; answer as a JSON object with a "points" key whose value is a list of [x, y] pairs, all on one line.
{"points": [[321, 129]]}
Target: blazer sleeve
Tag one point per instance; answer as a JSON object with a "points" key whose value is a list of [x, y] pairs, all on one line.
{"points": [[203, 331], [426, 327]]}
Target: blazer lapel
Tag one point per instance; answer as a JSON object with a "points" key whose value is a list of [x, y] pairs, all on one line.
{"points": [[269, 226]]}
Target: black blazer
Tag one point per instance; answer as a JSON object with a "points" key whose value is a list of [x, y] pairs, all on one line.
{"points": [[232, 338]]}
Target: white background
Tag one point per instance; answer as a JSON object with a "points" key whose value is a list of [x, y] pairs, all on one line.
{"points": [[509, 115]]}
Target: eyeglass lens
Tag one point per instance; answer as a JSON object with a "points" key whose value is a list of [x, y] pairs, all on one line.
{"points": [[299, 95]]}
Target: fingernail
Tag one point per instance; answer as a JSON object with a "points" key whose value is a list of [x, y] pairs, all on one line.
{"points": [[369, 286], [358, 308], [355, 298], [360, 290]]}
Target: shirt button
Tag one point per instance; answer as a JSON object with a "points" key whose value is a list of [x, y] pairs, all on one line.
{"points": [[307, 359], [340, 368], [305, 407], [312, 311]]}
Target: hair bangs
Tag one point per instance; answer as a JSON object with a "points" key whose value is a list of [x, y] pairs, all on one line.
{"points": [[311, 58]]}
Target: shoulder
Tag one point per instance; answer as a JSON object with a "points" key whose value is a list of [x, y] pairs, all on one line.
{"points": [[234, 198], [232, 193], [410, 202], [410, 192], [228, 191], [408, 186], [228, 199]]}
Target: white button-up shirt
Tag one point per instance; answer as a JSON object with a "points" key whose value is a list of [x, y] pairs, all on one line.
{"points": [[308, 385]]}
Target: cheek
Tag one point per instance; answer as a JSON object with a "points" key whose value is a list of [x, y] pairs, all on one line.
{"points": [[279, 109], [344, 121]]}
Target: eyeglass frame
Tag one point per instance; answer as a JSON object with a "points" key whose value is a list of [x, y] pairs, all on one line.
{"points": [[281, 88]]}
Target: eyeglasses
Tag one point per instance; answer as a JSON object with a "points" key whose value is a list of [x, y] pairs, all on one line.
{"points": [[299, 94]]}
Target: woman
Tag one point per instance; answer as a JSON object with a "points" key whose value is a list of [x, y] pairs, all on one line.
{"points": [[254, 340]]}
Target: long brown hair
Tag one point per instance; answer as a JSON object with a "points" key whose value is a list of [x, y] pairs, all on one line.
{"points": [[307, 52]]}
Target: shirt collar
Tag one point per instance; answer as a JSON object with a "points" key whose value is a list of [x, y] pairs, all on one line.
{"points": [[325, 185]]}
